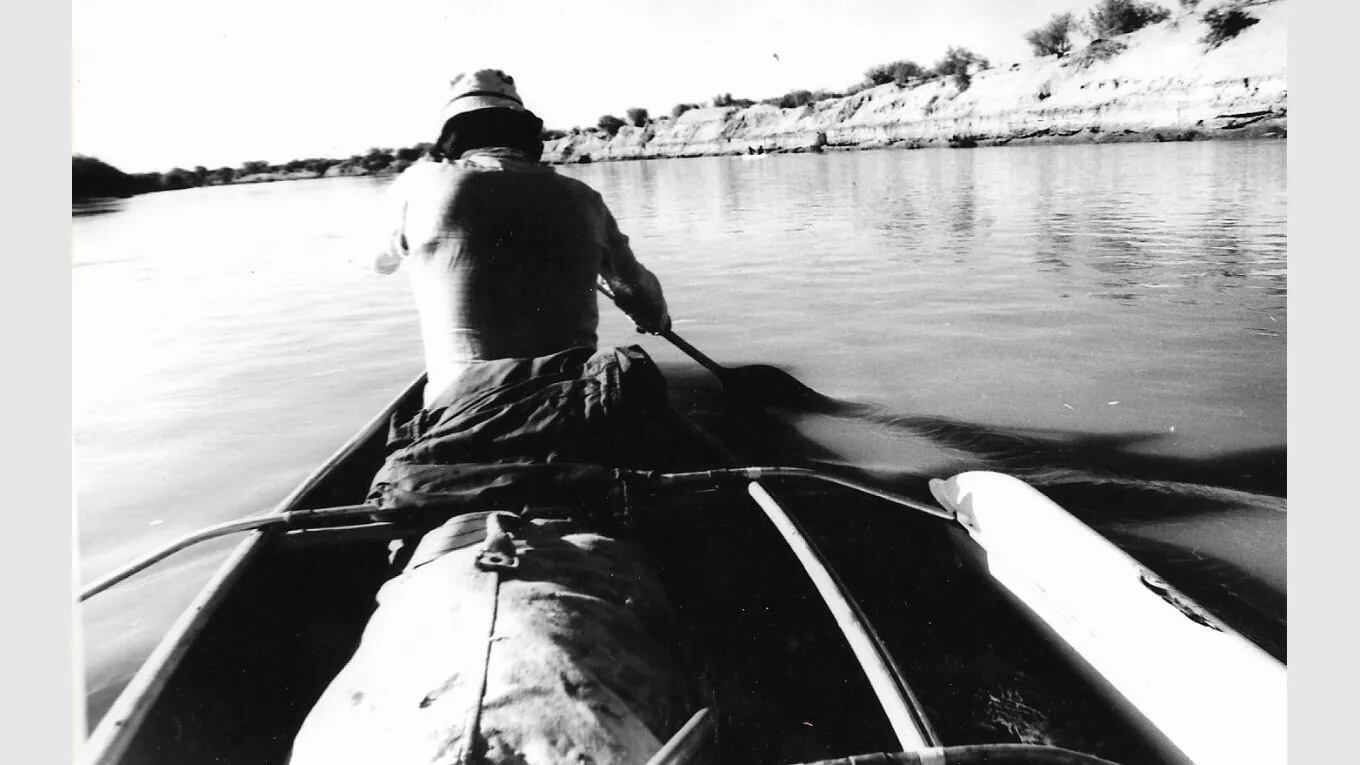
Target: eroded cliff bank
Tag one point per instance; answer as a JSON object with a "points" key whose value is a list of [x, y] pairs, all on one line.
{"points": [[1159, 83]]}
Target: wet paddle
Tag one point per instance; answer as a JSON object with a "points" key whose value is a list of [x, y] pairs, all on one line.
{"points": [[759, 384]]}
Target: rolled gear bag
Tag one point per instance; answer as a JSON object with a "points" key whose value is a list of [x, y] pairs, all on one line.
{"points": [[508, 640], [530, 636]]}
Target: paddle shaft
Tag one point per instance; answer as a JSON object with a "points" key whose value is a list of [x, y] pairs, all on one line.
{"points": [[679, 342]]}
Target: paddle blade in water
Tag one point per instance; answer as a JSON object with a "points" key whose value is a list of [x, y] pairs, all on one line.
{"points": [[771, 386], [764, 385]]}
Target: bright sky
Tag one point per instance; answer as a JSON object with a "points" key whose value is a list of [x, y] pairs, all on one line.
{"points": [[164, 83]]}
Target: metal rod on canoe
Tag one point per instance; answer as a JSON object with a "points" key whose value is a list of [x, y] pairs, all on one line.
{"points": [[912, 730], [686, 745], [221, 530], [758, 473], [301, 518], [909, 724], [903, 710]]}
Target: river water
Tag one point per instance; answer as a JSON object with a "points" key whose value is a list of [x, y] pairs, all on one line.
{"points": [[1115, 310]]}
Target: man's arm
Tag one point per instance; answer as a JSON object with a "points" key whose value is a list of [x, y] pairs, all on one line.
{"points": [[391, 237], [635, 289]]}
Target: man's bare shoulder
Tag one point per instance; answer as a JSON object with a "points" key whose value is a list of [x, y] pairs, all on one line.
{"points": [[422, 170], [431, 178], [426, 177]]}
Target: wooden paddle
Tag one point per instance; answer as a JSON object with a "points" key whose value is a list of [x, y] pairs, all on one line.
{"points": [[759, 384]]}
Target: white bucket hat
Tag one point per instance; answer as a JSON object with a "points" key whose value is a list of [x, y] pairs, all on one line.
{"points": [[482, 89]]}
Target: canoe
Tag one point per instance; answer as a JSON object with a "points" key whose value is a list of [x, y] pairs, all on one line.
{"points": [[831, 623]]}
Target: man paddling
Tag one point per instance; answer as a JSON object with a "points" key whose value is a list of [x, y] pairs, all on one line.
{"points": [[528, 627], [504, 253]]}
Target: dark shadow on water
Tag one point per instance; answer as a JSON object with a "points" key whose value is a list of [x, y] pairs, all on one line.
{"points": [[1046, 457], [1058, 457], [1099, 478], [1238, 597]]}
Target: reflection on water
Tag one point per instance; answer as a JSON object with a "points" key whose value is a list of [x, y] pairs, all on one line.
{"points": [[88, 207], [1026, 307]]}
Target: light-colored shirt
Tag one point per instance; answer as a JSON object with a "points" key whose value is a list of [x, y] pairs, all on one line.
{"points": [[504, 256]]}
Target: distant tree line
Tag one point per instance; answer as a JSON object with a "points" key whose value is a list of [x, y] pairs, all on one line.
{"points": [[1107, 19], [958, 63], [93, 178]]}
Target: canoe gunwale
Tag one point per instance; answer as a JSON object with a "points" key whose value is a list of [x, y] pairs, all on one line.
{"points": [[133, 717], [119, 726]]}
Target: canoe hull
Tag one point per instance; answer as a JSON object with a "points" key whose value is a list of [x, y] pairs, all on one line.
{"points": [[237, 675]]}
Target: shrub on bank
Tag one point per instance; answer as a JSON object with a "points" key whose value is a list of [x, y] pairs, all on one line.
{"points": [[178, 178], [680, 109], [145, 183], [1098, 50], [637, 116], [1225, 23], [377, 159], [320, 166], [1111, 18], [726, 99], [960, 63], [1053, 38], [898, 72], [610, 124], [797, 98]]}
